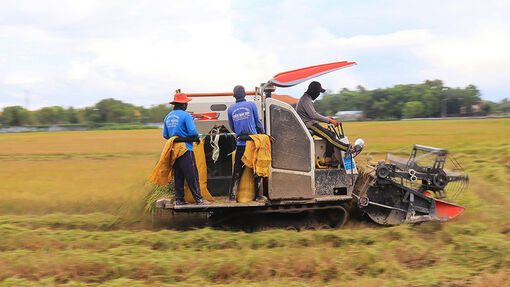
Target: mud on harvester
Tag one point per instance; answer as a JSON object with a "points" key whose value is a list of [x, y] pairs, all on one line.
{"points": [[299, 189]]}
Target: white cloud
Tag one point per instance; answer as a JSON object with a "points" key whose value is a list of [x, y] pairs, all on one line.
{"points": [[171, 48], [78, 70], [21, 79], [78, 52], [53, 12], [402, 38], [481, 58], [208, 58]]}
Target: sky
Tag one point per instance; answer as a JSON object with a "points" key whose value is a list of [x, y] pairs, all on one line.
{"points": [[75, 53]]}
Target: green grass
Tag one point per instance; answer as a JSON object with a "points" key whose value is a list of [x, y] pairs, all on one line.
{"points": [[74, 214], [427, 254]]}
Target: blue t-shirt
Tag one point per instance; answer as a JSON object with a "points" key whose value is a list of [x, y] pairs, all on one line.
{"points": [[244, 120], [179, 123]]}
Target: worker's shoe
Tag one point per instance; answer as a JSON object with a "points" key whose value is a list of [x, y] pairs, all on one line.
{"points": [[180, 202], [261, 199], [233, 190], [203, 202], [231, 200]]}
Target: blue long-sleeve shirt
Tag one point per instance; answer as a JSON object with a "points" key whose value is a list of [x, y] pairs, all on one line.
{"points": [[179, 123], [244, 120]]}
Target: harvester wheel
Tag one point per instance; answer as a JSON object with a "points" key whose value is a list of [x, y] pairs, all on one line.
{"points": [[323, 226], [337, 217], [292, 228]]}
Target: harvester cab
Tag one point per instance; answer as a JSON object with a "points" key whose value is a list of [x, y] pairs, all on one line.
{"points": [[298, 183], [296, 154]]}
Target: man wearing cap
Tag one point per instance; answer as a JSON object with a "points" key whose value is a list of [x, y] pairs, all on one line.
{"points": [[180, 123], [311, 119], [244, 120]]}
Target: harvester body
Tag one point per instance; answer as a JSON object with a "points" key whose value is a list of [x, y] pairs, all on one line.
{"points": [[297, 183]]}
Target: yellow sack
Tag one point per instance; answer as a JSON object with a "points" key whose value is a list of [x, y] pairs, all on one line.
{"points": [[162, 172], [198, 149], [246, 188], [258, 154]]}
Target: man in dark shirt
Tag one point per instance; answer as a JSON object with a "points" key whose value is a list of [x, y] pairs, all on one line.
{"points": [[244, 120], [311, 119]]}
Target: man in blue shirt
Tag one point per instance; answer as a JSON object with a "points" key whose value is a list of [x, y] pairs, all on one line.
{"points": [[180, 123], [244, 120]]}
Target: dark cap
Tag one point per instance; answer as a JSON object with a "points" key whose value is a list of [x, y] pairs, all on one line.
{"points": [[239, 92], [316, 86]]}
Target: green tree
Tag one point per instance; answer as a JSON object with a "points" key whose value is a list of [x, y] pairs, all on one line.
{"points": [[73, 116], [471, 96], [489, 108], [112, 111], [414, 109], [51, 115], [505, 105], [390, 102], [17, 116], [156, 114]]}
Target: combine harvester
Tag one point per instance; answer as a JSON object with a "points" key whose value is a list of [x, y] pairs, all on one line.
{"points": [[303, 194]]}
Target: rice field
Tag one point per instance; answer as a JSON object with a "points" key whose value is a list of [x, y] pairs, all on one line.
{"points": [[71, 214]]}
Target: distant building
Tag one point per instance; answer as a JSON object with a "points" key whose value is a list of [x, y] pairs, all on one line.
{"points": [[349, 115]]}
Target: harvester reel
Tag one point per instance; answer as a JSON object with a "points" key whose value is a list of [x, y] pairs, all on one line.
{"points": [[383, 171], [440, 179], [400, 191]]}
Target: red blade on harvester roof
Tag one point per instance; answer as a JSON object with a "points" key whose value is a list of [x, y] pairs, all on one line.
{"points": [[294, 77]]}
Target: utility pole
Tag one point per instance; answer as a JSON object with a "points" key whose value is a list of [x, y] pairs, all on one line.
{"points": [[443, 108]]}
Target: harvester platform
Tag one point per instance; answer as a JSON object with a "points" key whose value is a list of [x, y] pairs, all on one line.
{"points": [[218, 204]]}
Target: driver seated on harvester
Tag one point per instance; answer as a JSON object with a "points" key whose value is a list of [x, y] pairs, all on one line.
{"points": [[311, 119]]}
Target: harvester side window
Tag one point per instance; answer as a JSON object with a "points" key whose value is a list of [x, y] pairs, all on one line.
{"points": [[218, 107]]}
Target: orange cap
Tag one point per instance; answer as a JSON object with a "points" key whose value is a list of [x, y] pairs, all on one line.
{"points": [[180, 98]]}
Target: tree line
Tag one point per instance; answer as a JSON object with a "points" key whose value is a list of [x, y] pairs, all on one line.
{"points": [[105, 111], [428, 99]]}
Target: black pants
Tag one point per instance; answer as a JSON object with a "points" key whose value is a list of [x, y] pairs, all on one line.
{"points": [[238, 172], [330, 137], [185, 168]]}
